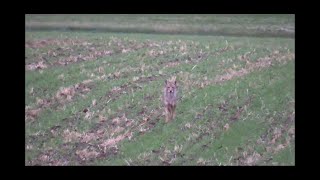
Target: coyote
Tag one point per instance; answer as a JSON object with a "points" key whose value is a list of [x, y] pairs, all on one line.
{"points": [[170, 98]]}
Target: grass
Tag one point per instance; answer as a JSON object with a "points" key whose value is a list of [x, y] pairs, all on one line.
{"points": [[95, 98], [203, 24]]}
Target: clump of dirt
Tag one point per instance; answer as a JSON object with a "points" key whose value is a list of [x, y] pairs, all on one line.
{"points": [[247, 157], [172, 64], [87, 154], [276, 135], [226, 127], [155, 53], [44, 158], [84, 87], [31, 114], [89, 137], [65, 93], [37, 65], [44, 103], [147, 79], [112, 141], [230, 75], [117, 91], [252, 159], [71, 136]]}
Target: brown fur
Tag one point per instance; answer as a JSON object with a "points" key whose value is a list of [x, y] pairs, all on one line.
{"points": [[170, 98]]}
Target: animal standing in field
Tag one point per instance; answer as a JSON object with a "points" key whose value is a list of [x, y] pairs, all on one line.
{"points": [[170, 98]]}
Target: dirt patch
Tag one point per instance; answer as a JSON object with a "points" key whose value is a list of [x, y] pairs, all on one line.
{"points": [[224, 50], [44, 103], [279, 135], [83, 57], [87, 154], [31, 114], [172, 64], [263, 62], [50, 42], [86, 137], [190, 59], [247, 157], [122, 127], [189, 80], [147, 79], [274, 143], [62, 96], [240, 109], [149, 97], [91, 145], [230, 75], [69, 51], [67, 93], [111, 142], [101, 141], [125, 72], [117, 91], [36, 65], [156, 53], [70, 136], [251, 159]]}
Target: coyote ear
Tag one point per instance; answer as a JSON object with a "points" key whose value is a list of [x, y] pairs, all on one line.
{"points": [[165, 81]]}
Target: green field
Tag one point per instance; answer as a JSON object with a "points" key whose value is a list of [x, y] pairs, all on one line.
{"points": [[201, 24], [94, 97]]}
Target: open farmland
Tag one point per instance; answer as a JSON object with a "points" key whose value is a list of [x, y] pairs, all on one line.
{"points": [[93, 96]]}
